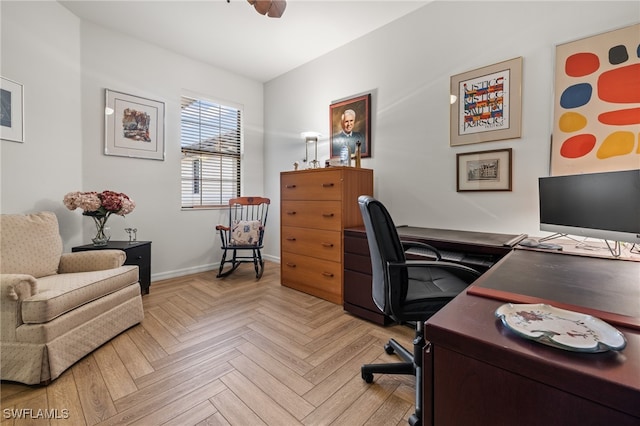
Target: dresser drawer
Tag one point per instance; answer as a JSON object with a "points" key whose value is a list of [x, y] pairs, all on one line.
{"points": [[312, 185], [319, 277], [312, 214], [312, 242]]}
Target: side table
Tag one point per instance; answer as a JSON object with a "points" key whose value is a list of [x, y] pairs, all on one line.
{"points": [[137, 252]]}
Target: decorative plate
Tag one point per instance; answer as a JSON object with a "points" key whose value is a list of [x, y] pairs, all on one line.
{"points": [[560, 328]]}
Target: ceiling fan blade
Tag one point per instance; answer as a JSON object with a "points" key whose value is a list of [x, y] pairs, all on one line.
{"points": [[277, 8], [262, 6]]}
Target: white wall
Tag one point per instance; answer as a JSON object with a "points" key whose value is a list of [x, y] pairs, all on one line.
{"points": [[65, 65], [41, 50], [65, 131], [407, 67]]}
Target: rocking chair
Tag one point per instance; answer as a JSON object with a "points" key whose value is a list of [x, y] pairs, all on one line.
{"points": [[247, 220]]}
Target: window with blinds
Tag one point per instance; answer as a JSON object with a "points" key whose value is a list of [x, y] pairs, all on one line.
{"points": [[210, 138]]}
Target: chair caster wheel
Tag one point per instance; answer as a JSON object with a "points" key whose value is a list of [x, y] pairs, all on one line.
{"points": [[388, 349], [367, 377], [414, 420]]}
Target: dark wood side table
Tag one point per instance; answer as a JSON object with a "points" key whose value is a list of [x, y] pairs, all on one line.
{"points": [[138, 253]]}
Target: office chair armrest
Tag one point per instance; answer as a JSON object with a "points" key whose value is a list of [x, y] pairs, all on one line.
{"points": [[463, 272], [441, 264], [406, 245]]}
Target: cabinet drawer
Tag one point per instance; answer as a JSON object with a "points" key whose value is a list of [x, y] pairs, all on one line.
{"points": [[357, 290], [140, 256], [355, 262], [312, 242], [312, 185], [319, 277], [312, 214], [357, 245]]}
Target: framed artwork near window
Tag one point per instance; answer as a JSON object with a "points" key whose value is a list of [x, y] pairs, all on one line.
{"points": [[11, 110], [350, 122], [596, 110], [486, 103], [484, 170], [134, 126]]}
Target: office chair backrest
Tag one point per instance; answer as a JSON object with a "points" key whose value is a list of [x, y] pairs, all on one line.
{"points": [[384, 247]]}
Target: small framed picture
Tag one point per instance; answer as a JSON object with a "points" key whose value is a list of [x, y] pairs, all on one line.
{"points": [[484, 171], [134, 126], [486, 103], [351, 123], [11, 110]]}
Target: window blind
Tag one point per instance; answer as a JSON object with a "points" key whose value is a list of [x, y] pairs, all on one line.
{"points": [[210, 139]]}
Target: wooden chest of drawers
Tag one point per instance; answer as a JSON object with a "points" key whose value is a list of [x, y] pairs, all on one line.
{"points": [[316, 206]]}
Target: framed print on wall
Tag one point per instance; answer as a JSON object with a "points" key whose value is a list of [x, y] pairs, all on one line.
{"points": [[11, 110], [134, 126], [596, 111], [484, 170], [350, 121], [486, 103]]}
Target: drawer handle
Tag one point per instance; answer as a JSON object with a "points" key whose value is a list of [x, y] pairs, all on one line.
{"points": [[291, 239], [290, 186], [291, 265], [139, 257], [327, 185], [327, 244], [291, 212], [327, 214], [328, 274]]}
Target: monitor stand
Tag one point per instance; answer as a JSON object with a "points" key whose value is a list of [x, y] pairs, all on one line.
{"points": [[615, 249]]}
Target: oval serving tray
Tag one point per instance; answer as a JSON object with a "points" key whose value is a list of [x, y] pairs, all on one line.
{"points": [[560, 328]]}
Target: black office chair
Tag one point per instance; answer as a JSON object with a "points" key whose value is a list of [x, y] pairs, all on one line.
{"points": [[406, 290]]}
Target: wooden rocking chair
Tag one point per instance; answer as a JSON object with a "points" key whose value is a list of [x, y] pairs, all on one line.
{"points": [[247, 221]]}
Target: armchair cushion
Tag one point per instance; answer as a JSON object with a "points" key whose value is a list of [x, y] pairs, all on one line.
{"points": [[30, 244], [59, 294]]}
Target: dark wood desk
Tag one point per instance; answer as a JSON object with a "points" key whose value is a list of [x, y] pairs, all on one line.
{"points": [[478, 372], [479, 250]]}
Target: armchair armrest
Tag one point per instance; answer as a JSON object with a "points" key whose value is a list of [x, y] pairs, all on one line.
{"points": [[91, 260], [14, 288]]}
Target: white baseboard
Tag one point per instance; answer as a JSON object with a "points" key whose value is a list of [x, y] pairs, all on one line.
{"points": [[196, 269]]}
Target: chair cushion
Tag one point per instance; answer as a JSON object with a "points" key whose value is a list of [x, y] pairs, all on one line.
{"points": [[62, 293], [30, 244], [245, 232]]}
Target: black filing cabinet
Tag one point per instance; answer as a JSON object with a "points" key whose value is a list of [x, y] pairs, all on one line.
{"points": [[138, 253]]}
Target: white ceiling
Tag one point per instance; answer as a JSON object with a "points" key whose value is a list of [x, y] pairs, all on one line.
{"points": [[233, 36]]}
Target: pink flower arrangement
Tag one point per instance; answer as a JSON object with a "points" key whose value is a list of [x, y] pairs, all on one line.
{"points": [[100, 204]]}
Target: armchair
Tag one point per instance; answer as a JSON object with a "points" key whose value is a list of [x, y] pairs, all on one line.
{"points": [[56, 307], [407, 291]]}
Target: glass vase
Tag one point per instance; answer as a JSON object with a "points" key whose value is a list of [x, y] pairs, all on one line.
{"points": [[102, 236]]}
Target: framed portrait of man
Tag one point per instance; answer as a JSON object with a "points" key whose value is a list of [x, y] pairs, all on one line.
{"points": [[350, 122]]}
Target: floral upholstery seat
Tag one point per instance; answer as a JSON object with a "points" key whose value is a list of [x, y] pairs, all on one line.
{"points": [[57, 307]]}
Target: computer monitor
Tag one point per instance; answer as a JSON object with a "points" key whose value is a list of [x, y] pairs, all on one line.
{"points": [[599, 205]]}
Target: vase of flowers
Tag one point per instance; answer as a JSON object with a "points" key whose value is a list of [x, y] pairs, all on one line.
{"points": [[99, 206]]}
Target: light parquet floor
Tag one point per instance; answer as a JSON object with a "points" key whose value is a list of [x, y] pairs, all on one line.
{"points": [[231, 351]]}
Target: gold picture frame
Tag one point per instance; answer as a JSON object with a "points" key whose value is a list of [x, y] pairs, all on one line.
{"points": [[486, 103]]}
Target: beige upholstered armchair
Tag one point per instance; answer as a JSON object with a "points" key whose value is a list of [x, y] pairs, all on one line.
{"points": [[57, 307]]}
